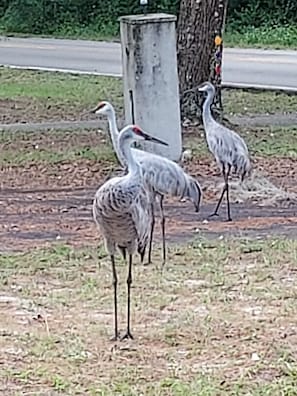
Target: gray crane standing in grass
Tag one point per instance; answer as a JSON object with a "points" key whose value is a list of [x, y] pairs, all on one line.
{"points": [[122, 209], [228, 148], [163, 175]]}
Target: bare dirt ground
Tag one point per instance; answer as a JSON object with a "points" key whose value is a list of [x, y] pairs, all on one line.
{"points": [[42, 203], [35, 218]]}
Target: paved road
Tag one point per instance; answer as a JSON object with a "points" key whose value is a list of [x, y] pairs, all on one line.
{"points": [[241, 66]]}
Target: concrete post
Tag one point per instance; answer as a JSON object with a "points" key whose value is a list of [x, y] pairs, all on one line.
{"points": [[150, 76]]}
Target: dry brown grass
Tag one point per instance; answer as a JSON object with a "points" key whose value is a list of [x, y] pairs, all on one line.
{"points": [[221, 320], [259, 189]]}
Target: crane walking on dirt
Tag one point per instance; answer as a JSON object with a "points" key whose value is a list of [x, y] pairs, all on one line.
{"points": [[228, 148], [122, 209], [163, 175]]}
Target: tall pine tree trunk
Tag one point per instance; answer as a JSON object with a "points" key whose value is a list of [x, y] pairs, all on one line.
{"points": [[199, 51]]}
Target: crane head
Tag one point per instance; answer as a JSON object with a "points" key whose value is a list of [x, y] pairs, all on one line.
{"points": [[102, 108], [139, 134], [206, 87]]}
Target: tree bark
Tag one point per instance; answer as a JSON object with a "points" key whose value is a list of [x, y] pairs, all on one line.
{"points": [[199, 51]]}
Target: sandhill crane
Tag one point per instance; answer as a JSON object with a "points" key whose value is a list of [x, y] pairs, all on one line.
{"points": [[228, 148], [122, 209], [163, 175]]}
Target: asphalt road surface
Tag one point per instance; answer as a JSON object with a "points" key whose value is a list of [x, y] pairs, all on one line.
{"points": [[250, 67]]}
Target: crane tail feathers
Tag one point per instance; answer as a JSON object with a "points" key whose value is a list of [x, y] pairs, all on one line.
{"points": [[194, 192]]}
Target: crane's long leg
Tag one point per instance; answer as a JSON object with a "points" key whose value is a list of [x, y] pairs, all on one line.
{"points": [[151, 235], [163, 230], [226, 176], [215, 213], [115, 282], [129, 282]]}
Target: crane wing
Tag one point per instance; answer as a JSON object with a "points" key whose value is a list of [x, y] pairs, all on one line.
{"points": [[141, 212]]}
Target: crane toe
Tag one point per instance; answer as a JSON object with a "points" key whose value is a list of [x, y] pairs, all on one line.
{"points": [[127, 336], [213, 215]]}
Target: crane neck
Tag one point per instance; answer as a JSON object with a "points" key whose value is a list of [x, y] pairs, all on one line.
{"points": [[206, 113], [124, 143], [114, 134]]}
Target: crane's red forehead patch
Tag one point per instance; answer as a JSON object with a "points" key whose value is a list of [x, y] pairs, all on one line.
{"points": [[137, 129], [100, 105]]}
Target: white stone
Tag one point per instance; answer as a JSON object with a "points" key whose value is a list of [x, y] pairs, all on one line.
{"points": [[255, 357], [150, 76]]}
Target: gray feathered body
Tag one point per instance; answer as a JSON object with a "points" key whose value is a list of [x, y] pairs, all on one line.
{"points": [[164, 176], [122, 211], [167, 177], [228, 148]]}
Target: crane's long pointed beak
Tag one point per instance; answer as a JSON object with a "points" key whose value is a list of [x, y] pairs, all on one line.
{"points": [[92, 111], [154, 140]]}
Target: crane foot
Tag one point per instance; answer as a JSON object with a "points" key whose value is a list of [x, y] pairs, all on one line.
{"points": [[213, 215], [147, 263], [127, 336]]}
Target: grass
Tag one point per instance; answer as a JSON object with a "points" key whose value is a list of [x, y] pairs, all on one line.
{"points": [[39, 96], [266, 142], [95, 31], [65, 33], [54, 147], [28, 96], [239, 102], [220, 320], [272, 141], [59, 86], [276, 37]]}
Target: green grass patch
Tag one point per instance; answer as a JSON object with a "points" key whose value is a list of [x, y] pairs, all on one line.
{"points": [[49, 157], [30, 96], [273, 141], [268, 141], [82, 89], [54, 147], [71, 33], [240, 102], [275, 37], [219, 320], [95, 31]]}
